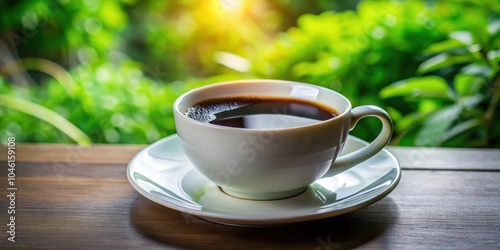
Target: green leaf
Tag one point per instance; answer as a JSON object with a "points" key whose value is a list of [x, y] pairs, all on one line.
{"points": [[409, 121], [443, 60], [432, 134], [467, 85], [471, 102], [461, 128], [494, 27], [494, 34], [444, 46], [420, 87], [464, 37], [477, 70], [47, 115], [494, 56]]}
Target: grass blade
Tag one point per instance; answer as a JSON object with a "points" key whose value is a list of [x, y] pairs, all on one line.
{"points": [[46, 115]]}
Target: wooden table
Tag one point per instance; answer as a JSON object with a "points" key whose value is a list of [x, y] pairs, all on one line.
{"points": [[69, 197]]}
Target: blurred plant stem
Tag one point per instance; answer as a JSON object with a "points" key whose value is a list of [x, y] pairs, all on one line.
{"points": [[490, 111], [45, 66], [6, 57], [47, 115], [36, 110]]}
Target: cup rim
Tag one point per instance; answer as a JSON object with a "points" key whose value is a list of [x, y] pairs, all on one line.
{"points": [[218, 84]]}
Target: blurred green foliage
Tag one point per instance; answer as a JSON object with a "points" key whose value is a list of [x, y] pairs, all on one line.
{"points": [[56, 30], [459, 105], [128, 60], [359, 52]]}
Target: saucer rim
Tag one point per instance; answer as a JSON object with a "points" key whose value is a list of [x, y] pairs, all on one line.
{"points": [[243, 220]]}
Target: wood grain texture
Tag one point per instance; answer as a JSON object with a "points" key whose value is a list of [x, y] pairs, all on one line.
{"points": [[447, 158], [94, 206], [74, 154], [408, 157]]}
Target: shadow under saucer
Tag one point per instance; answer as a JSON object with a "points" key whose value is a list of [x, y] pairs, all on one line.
{"points": [[182, 230]]}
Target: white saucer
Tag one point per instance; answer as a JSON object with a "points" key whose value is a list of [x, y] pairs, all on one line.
{"points": [[162, 173]]}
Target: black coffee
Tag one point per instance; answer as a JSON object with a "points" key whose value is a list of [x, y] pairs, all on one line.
{"points": [[260, 112]]}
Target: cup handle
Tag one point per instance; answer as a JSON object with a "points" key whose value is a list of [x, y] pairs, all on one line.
{"points": [[345, 162]]}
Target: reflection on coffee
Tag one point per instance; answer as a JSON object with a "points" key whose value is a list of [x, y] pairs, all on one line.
{"points": [[260, 112]]}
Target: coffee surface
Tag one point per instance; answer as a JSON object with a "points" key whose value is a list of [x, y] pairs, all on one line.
{"points": [[260, 112]]}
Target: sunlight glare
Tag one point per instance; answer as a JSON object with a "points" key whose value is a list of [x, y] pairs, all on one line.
{"points": [[235, 8]]}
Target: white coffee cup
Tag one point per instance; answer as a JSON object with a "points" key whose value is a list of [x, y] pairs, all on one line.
{"points": [[279, 162]]}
